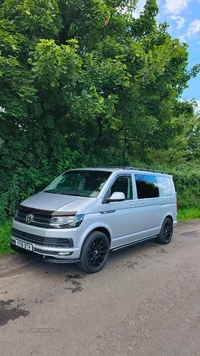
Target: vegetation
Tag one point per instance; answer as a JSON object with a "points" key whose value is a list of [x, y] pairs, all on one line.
{"points": [[5, 230], [189, 214], [83, 83]]}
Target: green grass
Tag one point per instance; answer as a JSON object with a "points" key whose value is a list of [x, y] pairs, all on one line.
{"points": [[189, 214], [5, 238], [5, 229]]}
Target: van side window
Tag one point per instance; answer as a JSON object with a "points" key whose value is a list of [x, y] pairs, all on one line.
{"points": [[123, 184], [147, 186], [165, 186]]}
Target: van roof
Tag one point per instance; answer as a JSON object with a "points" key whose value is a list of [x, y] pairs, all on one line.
{"points": [[119, 168]]}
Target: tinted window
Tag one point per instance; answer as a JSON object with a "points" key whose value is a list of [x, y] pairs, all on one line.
{"points": [[123, 184], [147, 186]]}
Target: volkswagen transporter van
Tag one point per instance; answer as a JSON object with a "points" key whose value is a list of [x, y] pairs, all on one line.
{"points": [[85, 213]]}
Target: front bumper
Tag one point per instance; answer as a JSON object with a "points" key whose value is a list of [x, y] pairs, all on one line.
{"points": [[44, 247], [42, 256]]}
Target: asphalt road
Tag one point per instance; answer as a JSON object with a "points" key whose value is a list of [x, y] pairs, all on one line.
{"points": [[145, 302]]}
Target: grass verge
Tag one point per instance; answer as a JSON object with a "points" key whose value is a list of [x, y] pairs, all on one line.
{"points": [[5, 238], [188, 214], [5, 229]]}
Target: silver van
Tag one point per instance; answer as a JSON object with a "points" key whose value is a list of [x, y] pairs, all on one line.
{"points": [[85, 213]]}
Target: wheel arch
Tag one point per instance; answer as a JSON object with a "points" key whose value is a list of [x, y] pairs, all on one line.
{"points": [[101, 229], [167, 216], [104, 231]]}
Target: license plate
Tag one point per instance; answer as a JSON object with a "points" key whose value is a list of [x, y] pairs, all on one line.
{"points": [[24, 245]]}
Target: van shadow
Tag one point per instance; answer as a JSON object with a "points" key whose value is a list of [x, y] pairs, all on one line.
{"points": [[128, 253]]}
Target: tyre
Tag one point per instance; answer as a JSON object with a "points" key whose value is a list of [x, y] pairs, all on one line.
{"points": [[94, 253], [166, 232]]}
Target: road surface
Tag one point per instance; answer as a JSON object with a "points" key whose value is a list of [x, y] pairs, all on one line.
{"points": [[145, 302]]}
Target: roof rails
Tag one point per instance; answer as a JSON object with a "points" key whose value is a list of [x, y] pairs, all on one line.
{"points": [[142, 169], [131, 168]]}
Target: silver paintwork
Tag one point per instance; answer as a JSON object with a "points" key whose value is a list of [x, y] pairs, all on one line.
{"points": [[124, 222]]}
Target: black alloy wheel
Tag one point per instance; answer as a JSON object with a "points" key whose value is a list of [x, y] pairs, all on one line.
{"points": [[166, 232], [94, 253]]}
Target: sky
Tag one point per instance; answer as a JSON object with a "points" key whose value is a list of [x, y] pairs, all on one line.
{"points": [[183, 18]]}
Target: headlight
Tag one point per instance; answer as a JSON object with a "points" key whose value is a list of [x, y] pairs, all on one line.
{"points": [[66, 222]]}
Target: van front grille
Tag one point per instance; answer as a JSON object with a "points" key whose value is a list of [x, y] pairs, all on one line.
{"points": [[40, 240], [36, 218]]}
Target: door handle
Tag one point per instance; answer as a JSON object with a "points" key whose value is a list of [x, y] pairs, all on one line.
{"points": [[141, 203]]}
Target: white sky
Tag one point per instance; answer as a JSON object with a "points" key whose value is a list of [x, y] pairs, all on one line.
{"points": [[175, 7]]}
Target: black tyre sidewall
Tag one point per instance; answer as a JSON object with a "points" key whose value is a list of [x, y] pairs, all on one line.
{"points": [[161, 237], [83, 264]]}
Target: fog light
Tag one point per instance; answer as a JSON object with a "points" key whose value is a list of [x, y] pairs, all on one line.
{"points": [[65, 253]]}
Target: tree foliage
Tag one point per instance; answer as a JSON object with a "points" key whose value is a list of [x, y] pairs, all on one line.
{"points": [[84, 83]]}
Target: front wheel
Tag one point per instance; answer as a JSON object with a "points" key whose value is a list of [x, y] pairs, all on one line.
{"points": [[94, 253], [166, 232]]}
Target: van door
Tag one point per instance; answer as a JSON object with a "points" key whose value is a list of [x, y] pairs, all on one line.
{"points": [[121, 216], [148, 205]]}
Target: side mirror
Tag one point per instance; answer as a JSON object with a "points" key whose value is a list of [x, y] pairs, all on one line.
{"points": [[116, 196]]}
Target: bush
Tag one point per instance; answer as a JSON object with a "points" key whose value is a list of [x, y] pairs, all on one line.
{"points": [[187, 183], [26, 182]]}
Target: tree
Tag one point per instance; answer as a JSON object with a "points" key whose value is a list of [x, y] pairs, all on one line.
{"points": [[84, 83]]}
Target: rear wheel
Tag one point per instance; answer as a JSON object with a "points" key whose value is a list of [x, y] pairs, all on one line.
{"points": [[94, 253], [166, 232]]}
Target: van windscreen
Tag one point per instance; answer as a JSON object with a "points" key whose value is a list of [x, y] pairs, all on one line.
{"points": [[85, 183]]}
